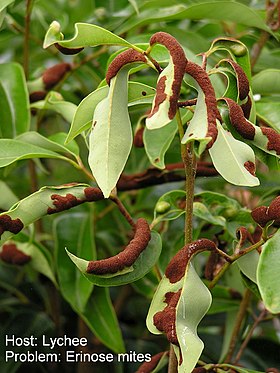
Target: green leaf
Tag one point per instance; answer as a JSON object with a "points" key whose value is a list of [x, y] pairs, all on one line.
{"points": [[217, 10], [83, 116], [201, 211], [75, 232], [86, 35], [3, 6], [111, 137], [140, 268], [14, 101], [54, 101], [57, 146], [15, 150], [268, 273], [158, 141], [7, 196], [101, 318], [269, 112], [229, 156], [198, 126], [35, 206], [266, 82]]}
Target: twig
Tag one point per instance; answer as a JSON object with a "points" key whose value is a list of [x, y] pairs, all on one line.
{"points": [[123, 210]]}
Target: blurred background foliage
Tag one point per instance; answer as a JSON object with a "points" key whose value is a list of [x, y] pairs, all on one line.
{"points": [[32, 303]]}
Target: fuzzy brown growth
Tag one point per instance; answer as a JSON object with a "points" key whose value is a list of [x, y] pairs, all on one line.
{"points": [[68, 51], [273, 139], [128, 256], [54, 74], [250, 167], [63, 203], [211, 265], [242, 235], [175, 270], [179, 61], [238, 121], [272, 370], [93, 194], [121, 60], [246, 107], [37, 96], [149, 366], [242, 80], [160, 96], [201, 76], [262, 214], [12, 255], [8, 224], [138, 138], [165, 320], [199, 370]]}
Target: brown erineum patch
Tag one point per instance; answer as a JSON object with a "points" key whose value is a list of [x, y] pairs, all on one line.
{"points": [[273, 139], [68, 51], [160, 96], [54, 74], [202, 78], [128, 256], [263, 214], [12, 255], [93, 194], [176, 269], [149, 366], [62, 203], [250, 167], [165, 320], [179, 61], [9, 224], [121, 60], [242, 80]]}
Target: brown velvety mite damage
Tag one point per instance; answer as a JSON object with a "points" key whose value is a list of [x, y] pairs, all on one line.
{"points": [[128, 256], [138, 138], [250, 167], [121, 60], [160, 95], [242, 80], [12, 255], [68, 51], [262, 214], [201, 76], [246, 107], [165, 320], [273, 139], [63, 203], [175, 270], [54, 74], [149, 366], [179, 61], [238, 121], [8, 224], [93, 194]]}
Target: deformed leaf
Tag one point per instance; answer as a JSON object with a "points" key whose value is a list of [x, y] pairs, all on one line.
{"points": [[86, 35], [248, 265], [268, 273], [14, 101], [170, 205], [233, 159], [54, 101], [143, 264], [111, 137], [74, 231]]}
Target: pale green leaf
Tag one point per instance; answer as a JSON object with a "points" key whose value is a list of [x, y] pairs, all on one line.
{"points": [[172, 202], [138, 94], [193, 304], [86, 35], [111, 137], [201, 211], [268, 273], [269, 112], [15, 150], [7, 196], [143, 264], [229, 156], [36, 205], [14, 101], [158, 141], [248, 265], [198, 126]]}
